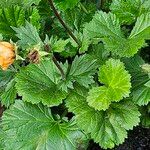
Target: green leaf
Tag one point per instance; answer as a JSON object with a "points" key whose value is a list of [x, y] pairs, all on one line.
{"points": [[116, 86], [145, 116], [9, 95], [32, 16], [116, 78], [58, 45], [5, 78], [66, 4], [140, 92], [98, 98], [141, 96], [23, 3], [2, 135], [145, 7], [141, 30], [126, 10], [106, 28], [108, 128], [82, 70], [38, 83], [30, 126], [13, 16], [28, 36]]}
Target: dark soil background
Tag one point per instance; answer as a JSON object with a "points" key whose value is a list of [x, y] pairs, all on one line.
{"points": [[138, 139]]}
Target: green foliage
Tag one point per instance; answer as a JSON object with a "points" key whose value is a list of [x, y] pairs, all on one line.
{"points": [[38, 129], [15, 16], [128, 10], [9, 95], [140, 92], [66, 4], [106, 127], [75, 74], [42, 80], [28, 36], [23, 3], [5, 78], [106, 28], [116, 82]]}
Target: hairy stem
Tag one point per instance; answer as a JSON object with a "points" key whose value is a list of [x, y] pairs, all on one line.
{"points": [[47, 48], [63, 23]]}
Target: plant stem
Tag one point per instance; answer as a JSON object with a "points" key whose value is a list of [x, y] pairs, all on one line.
{"points": [[47, 48], [59, 67], [63, 23]]}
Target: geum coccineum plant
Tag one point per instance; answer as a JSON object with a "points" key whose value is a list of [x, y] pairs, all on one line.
{"points": [[71, 72]]}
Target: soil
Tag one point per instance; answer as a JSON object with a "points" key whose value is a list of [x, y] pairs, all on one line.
{"points": [[138, 139]]}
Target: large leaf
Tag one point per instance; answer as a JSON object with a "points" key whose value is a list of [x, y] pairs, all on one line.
{"points": [[116, 86], [9, 95], [28, 126], [28, 36], [38, 83], [108, 128], [106, 28]]}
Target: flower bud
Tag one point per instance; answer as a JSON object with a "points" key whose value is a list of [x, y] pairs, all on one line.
{"points": [[7, 55]]}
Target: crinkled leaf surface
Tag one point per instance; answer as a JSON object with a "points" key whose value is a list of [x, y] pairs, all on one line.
{"points": [[38, 83], [98, 98], [108, 128], [116, 86], [30, 126], [106, 28], [9, 95], [126, 10]]}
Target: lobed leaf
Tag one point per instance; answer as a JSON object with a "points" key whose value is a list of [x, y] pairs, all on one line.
{"points": [[38, 83], [33, 127], [108, 128]]}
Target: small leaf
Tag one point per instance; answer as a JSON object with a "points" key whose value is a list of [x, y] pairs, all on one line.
{"points": [[28, 36], [98, 98], [82, 69], [38, 83], [29, 127], [116, 78]]}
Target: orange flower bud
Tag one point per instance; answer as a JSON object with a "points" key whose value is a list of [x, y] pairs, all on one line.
{"points": [[7, 54]]}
